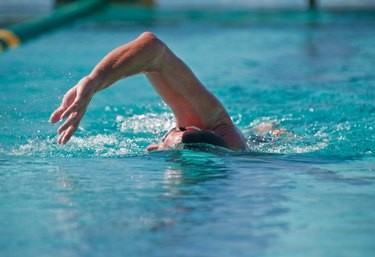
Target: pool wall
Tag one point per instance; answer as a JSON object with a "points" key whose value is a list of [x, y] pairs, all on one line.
{"points": [[14, 35]]}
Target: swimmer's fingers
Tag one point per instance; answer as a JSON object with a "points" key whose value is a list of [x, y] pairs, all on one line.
{"points": [[67, 129], [56, 115], [70, 121], [60, 113], [81, 101], [68, 99], [74, 107], [59, 139], [67, 134]]}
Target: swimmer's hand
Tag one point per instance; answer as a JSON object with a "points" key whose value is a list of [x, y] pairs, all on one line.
{"points": [[74, 105]]}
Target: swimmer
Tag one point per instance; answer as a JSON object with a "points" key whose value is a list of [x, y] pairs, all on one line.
{"points": [[199, 116]]}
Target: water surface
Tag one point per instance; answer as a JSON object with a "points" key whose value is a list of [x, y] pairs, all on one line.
{"points": [[308, 192]]}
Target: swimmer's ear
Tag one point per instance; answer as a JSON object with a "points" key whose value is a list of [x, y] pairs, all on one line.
{"points": [[152, 147]]}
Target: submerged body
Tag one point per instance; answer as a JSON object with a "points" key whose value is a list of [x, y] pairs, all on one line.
{"points": [[200, 114]]}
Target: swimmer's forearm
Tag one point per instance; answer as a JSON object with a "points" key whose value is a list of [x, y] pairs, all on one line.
{"points": [[139, 56]]}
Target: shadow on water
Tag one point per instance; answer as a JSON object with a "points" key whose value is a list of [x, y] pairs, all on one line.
{"points": [[194, 166], [174, 199], [166, 201], [211, 195]]}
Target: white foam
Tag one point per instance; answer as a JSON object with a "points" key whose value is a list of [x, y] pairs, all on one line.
{"points": [[288, 143], [146, 123], [92, 146]]}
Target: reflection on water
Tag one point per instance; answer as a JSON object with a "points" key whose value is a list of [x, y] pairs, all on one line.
{"points": [[194, 166], [173, 201], [103, 195], [185, 199], [206, 193]]}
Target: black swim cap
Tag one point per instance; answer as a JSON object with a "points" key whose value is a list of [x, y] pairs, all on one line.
{"points": [[203, 137]]}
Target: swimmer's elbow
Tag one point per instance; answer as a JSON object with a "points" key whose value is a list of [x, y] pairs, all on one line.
{"points": [[149, 36], [155, 45], [152, 40]]}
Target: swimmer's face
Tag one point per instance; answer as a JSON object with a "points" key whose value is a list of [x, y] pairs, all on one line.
{"points": [[171, 139]]}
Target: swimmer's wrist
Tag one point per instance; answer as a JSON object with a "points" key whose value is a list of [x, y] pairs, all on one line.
{"points": [[95, 82]]}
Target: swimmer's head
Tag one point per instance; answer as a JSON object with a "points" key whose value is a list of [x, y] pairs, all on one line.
{"points": [[203, 137], [188, 136]]}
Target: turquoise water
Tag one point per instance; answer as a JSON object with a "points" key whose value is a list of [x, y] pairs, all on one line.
{"points": [[310, 192]]}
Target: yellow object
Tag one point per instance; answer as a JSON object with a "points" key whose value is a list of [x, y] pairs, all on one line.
{"points": [[9, 38], [148, 2]]}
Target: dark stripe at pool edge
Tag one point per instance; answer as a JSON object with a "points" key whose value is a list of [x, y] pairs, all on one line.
{"points": [[14, 35]]}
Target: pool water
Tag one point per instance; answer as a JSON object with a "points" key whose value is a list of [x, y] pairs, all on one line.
{"points": [[310, 192]]}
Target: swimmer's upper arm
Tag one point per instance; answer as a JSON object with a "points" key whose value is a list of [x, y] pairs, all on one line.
{"points": [[190, 101]]}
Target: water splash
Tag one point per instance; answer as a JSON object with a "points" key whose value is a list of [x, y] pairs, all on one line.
{"points": [[127, 136], [289, 144], [124, 136], [146, 123], [260, 137], [93, 146]]}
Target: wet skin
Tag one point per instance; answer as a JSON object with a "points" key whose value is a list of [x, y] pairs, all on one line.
{"points": [[191, 103]]}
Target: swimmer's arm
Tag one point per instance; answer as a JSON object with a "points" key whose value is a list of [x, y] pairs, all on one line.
{"points": [[189, 100], [191, 103], [138, 56]]}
